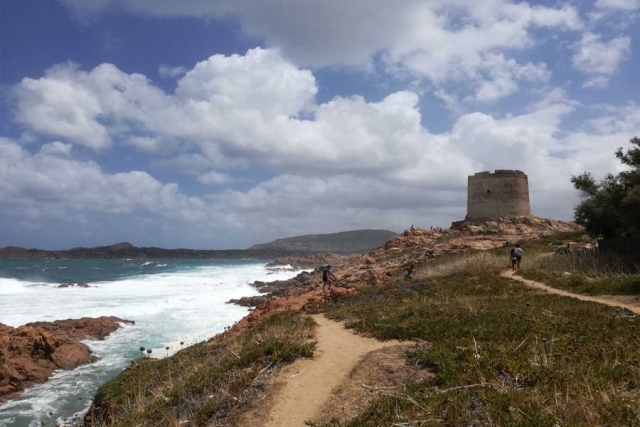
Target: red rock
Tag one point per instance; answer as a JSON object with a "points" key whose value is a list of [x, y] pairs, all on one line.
{"points": [[84, 328], [29, 354]]}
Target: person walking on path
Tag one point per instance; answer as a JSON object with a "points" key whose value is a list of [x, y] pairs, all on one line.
{"points": [[513, 258], [518, 251], [327, 276], [408, 272]]}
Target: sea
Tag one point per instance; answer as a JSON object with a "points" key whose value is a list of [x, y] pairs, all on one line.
{"points": [[174, 303]]}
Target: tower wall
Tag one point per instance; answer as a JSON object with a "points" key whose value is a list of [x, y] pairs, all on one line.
{"points": [[504, 193]]}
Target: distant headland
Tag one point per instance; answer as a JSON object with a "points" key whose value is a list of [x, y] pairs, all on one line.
{"points": [[346, 243]]}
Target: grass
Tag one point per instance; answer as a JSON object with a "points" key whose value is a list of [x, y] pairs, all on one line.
{"points": [[452, 264], [205, 384], [502, 354], [584, 273]]}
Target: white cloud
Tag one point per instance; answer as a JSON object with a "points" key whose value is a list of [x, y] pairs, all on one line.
{"points": [[437, 40], [213, 177], [74, 104], [56, 148], [50, 184], [190, 164], [236, 109], [626, 5], [593, 56], [503, 75], [145, 143], [55, 105], [172, 72], [260, 80], [598, 82], [450, 100], [617, 120]]}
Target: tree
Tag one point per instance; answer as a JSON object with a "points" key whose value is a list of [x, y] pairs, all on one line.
{"points": [[611, 207]]}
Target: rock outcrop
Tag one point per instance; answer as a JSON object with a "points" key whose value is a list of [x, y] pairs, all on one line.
{"points": [[304, 292], [29, 354]]}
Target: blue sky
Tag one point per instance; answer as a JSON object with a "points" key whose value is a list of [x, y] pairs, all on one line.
{"points": [[224, 124]]}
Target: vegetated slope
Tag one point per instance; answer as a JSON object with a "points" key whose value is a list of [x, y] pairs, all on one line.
{"points": [[346, 242]]}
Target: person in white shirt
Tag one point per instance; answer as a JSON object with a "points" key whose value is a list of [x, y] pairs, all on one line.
{"points": [[518, 251]]}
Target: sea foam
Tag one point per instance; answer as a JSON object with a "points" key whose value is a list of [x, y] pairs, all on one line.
{"points": [[186, 305]]}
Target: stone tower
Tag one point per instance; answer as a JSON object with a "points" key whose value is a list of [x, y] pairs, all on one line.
{"points": [[504, 193]]}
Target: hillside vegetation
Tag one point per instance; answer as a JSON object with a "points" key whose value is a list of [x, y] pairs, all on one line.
{"points": [[499, 353], [345, 243]]}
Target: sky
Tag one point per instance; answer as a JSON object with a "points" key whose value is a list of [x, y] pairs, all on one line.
{"points": [[221, 124]]}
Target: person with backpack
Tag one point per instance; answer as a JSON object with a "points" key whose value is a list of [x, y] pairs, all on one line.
{"points": [[327, 276], [518, 251], [513, 258]]}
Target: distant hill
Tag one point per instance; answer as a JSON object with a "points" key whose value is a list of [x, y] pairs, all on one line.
{"points": [[346, 242], [127, 250]]}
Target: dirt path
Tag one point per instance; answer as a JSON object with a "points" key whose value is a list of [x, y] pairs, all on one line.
{"points": [[331, 384], [614, 301], [308, 383]]}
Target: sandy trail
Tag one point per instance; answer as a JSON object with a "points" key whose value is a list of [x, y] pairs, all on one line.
{"points": [[309, 382], [609, 300]]}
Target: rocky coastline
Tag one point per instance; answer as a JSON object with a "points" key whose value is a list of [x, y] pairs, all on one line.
{"points": [[30, 353], [412, 246], [56, 345]]}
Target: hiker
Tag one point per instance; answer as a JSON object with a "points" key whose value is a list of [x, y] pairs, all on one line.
{"points": [[408, 272], [513, 258], [326, 275], [518, 251]]}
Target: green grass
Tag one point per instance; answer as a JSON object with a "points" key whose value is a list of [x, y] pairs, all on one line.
{"points": [[205, 383], [501, 354]]}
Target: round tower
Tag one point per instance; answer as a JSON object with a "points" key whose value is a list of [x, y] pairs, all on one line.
{"points": [[504, 193]]}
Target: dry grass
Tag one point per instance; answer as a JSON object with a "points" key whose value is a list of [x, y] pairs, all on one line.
{"points": [[584, 272], [464, 263]]}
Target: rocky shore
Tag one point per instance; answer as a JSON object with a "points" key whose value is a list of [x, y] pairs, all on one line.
{"points": [[412, 246], [30, 353]]}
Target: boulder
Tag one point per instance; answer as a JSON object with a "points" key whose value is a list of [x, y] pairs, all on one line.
{"points": [[29, 354], [85, 328]]}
